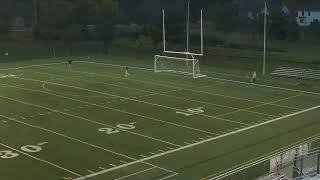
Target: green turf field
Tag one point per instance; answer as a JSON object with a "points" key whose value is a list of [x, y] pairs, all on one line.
{"points": [[91, 122]]}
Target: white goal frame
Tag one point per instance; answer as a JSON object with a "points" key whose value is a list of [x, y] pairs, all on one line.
{"points": [[195, 64], [188, 54]]}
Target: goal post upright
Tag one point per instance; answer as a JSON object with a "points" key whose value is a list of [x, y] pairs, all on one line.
{"points": [[195, 62]]}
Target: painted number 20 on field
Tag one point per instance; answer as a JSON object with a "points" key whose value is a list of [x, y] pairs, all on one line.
{"points": [[119, 127], [191, 111]]}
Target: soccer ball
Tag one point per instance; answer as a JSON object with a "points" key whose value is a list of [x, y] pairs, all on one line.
{"points": [[6, 54]]}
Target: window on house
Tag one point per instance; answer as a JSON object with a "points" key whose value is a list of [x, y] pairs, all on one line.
{"points": [[302, 13], [301, 20], [309, 13]]}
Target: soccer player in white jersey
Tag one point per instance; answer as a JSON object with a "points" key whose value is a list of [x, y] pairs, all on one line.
{"points": [[254, 77], [126, 71]]}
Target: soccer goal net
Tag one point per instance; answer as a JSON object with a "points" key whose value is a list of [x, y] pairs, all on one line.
{"points": [[188, 66]]}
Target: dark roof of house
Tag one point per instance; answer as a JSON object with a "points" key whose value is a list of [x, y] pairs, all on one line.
{"points": [[251, 5], [294, 6]]}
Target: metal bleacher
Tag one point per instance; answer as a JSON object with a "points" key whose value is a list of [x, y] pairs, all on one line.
{"points": [[297, 73]]}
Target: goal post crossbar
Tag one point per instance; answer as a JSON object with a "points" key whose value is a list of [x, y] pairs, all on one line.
{"points": [[176, 52]]}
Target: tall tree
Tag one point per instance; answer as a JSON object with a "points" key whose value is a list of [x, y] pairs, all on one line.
{"points": [[226, 16], [6, 14], [278, 22], [105, 21]]}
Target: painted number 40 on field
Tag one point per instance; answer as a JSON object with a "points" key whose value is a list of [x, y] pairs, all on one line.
{"points": [[191, 111]]}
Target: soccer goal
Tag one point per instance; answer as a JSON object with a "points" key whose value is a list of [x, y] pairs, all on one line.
{"points": [[189, 65]]}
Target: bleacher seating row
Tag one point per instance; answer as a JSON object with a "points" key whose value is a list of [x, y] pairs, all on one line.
{"points": [[297, 73]]}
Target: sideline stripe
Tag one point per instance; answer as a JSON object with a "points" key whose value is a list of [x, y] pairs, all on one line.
{"points": [[206, 141], [38, 159], [262, 158], [37, 65], [208, 77], [139, 172]]}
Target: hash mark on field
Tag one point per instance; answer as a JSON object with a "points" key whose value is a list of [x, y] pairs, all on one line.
{"points": [[194, 141], [123, 161], [143, 156], [22, 117], [41, 144], [187, 143], [152, 153], [90, 171], [113, 109], [101, 168], [112, 165], [139, 172], [171, 148], [3, 121], [162, 151]]}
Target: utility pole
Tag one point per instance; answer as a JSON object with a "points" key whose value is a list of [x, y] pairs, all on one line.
{"points": [[117, 7], [188, 25], [35, 18], [264, 38]]}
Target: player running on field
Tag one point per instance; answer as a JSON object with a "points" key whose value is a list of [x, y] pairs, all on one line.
{"points": [[254, 77], [126, 72]]}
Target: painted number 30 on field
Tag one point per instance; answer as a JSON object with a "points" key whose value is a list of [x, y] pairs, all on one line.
{"points": [[8, 154], [119, 127]]}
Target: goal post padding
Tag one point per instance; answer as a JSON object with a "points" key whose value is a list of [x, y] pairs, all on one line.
{"points": [[188, 66]]}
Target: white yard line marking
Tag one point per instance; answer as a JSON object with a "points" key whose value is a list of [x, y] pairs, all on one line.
{"points": [[255, 161], [38, 159], [91, 121], [25, 67], [90, 171], [7, 76], [206, 141], [161, 93], [130, 99], [112, 165], [3, 122], [65, 136], [269, 103], [79, 141], [169, 176], [113, 109], [102, 168], [156, 93], [139, 172], [175, 87], [208, 77]]}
